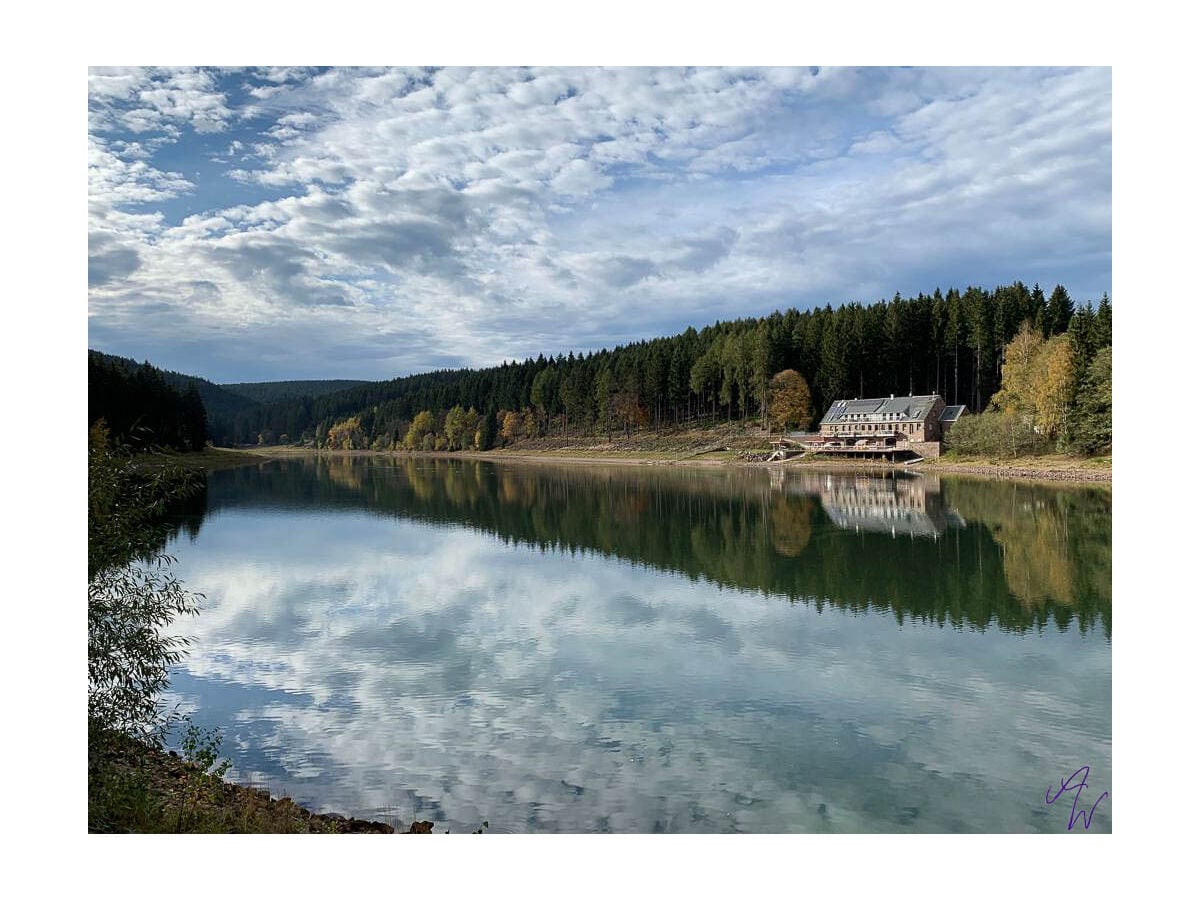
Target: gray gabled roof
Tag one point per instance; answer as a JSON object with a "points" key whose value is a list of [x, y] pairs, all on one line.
{"points": [[904, 409], [951, 414]]}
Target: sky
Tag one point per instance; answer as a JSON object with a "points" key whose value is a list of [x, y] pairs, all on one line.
{"points": [[276, 223]]}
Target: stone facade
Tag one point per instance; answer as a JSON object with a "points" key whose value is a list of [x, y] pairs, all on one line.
{"points": [[884, 426]]}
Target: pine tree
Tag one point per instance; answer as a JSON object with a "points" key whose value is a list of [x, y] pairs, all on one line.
{"points": [[1058, 311], [1089, 424], [1102, 333]]}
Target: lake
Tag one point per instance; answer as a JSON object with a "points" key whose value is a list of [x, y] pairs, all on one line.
{"points": [[654, 648]]}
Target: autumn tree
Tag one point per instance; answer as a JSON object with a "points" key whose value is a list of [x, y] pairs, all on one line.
{"points": [[485, 432], [1038, 383], [423, 425], [1054, 385], [346, 434], [1018, 371], [459, 427], [511, 427], [790, 400]]}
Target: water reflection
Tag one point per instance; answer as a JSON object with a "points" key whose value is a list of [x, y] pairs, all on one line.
{"points": [[464, 641], [961, 552], [889, 504]]}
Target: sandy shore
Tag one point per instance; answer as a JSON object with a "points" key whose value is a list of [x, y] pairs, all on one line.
{"points": [[1053, 468], [1048, 468]]}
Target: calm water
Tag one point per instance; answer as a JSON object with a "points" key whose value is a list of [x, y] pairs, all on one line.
{"points": [[654, 649]]}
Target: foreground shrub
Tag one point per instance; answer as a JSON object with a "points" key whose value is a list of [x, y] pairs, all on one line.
{"points": [[132, 595], [995, 434]]}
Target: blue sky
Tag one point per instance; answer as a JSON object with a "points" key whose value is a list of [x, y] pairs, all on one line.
{"points": [[261, 224]]}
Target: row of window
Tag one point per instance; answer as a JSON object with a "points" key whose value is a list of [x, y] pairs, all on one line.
{"points": [[874, 417], [869, 429]]}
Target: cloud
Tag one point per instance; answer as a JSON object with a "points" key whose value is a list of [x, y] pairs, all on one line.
{"points": [[277, 267], [579, 178], [702, 253], [516, 211], [142, 100], [623, 271], [108, 261], [121, 178]]}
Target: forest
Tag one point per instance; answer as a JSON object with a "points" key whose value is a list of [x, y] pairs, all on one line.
{"points": [[141, 409], [955, 344]]}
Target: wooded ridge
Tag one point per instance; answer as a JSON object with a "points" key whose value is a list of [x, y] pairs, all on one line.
{"points": [[952, 344]]}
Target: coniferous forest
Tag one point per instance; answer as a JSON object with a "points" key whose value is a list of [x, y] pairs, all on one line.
{"points": [[141, 409], [955, 344]]}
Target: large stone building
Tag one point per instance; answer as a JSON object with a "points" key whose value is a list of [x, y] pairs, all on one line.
{"points": [[884, 426]]}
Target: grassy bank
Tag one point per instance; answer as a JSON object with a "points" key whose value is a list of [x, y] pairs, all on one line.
{"points": [[207, 460]]}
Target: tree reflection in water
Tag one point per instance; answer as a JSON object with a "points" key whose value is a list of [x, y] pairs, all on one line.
{"points": [[963, 552]]}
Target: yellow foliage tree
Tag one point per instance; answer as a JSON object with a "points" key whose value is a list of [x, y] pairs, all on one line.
{"points": [[1054, 385], [1018, 372], [1037, 380], [422, 425], [346, 435], [511, 428]]}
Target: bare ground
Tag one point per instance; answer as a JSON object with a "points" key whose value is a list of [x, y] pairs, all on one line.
{"points": [[734, 452]]}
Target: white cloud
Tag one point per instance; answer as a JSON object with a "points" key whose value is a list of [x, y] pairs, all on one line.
{"points": [[455, 198]]}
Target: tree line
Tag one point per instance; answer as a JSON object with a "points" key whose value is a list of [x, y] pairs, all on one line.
{"points": [[950, 343], [780, 370], [141, 410], [1055, 393]]}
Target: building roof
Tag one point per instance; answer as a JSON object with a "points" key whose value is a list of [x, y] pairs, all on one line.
{"points": [[951, 414], [880, 409]]}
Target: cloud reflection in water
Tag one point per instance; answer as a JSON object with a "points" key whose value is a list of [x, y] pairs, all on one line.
{"points": [[389, 668]]}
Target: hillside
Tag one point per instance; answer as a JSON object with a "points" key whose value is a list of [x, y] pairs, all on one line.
{"points": [[226, 403], [274, 391], [950, 344], [220, 404]]}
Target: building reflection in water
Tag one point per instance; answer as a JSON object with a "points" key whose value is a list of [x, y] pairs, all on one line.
{"points": [[895, 503]]}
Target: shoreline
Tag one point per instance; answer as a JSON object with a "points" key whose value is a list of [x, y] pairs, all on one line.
{"points": [[1053, 469], [177, 796]]}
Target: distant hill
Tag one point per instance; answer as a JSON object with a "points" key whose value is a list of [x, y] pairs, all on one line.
{"points": [[220, 404], [230, 406], [272, 391], [143, 407]]}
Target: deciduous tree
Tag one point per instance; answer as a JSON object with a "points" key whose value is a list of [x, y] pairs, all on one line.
{"points": [[790, 400], [422, 426]]}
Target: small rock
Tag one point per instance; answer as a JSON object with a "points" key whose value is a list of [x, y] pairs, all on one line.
{"points": [[420, 828]]}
